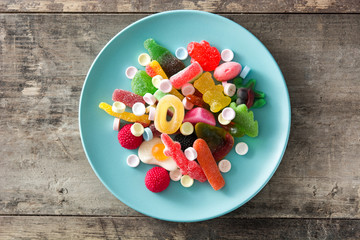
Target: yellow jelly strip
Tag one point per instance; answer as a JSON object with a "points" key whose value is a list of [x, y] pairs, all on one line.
{"points": [[158, 69], [176, 93], [129, 117]]}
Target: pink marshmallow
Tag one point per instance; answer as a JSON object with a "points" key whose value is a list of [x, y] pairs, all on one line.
{"points": [[190, 73], [227, 71], [187, 89], [199, 114]]}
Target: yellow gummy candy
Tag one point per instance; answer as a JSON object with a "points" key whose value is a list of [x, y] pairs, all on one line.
{"points": [[204, 82], [129, 117], [161, 123], [155, 66], [176, 93]]}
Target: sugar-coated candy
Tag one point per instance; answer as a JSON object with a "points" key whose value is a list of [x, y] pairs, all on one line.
{"points": [[165, 86], [241, 148], [152, 113], [130, 72], [144, 59], [245, 72], [224, 166], [156, 80], [149, 99], [227, 71], [161, 123], [187, 89], [157, 179], [169, 63], [126, 116], [191, 168], [138, 109], [219, 140], [127, 139], [116, 124], [159, 94], [186, 128], [223, 121], [207, 56], [190, 153], [185, 141], [245, 120], [187, 104], [148, 135], [197, 101], [189, 74], [126, 97], [181, 53], [154, 69], [175, 175], [132, 160], [137, 129], [186, 181], [208, 164], [227, 55], [199, 114], [146, 156], [118, 107], [229, 89], [228, 113], [142, 83]]}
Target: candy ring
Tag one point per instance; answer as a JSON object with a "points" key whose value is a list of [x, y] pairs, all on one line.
{"points": [[161, 124]]}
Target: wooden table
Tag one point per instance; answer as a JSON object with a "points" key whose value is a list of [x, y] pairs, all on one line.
{"points": [[48, 189]]}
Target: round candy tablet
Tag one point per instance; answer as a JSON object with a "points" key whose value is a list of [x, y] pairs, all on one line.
{"points": [[130, 72], [222, 121], [187, 104], [175, 175], [144, 59], [138, 109], [156, 80], [149, 98], [187, 89], [181, 53], [228, 113], [245, 72], [118, 107], [165, 86], [186, 128], [190, 153], [116, 124], [137, 129], [148, 134], [152, 113], [241, 148], [227, 55], [230, 89], [186, 181], [133, 160], [224, 166]]}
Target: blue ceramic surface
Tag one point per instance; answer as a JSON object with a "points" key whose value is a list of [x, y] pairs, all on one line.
{"points": [[249, 173]]}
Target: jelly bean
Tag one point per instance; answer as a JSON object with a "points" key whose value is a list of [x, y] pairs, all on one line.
{"points": [[167, 61], [126, 97], [116, 124], [223, 121], [245, 120], [186, 128], [148, 135], [198, 114], [187, 89], [161, 123], [227, 55], [227, 71], [186, 181], [219, 140], [118, 107], [224, 166], [132, 160], [228, 113], [165, 86], [229, 89], [208, 164], [126, 116], [144, 59], [241, 148], [187, 104], [142, 84], [175, 175], [137, 129], [191, 168], [152, 113], [146, 155], [149, 99], [138, 109], [156, 80], [189, 74], [158, 152], [181, 53], [154, 69], [245, 72], [190, 153], [207, 56], [130, 72]]}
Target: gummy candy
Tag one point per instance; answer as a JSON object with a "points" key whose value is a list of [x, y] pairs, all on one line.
{"points": [[208, 57], [234, 129], [157, 152], [245, 120], [197, 101], [227, 71], [129, 117], [169, 63], [185, 141], [208, 164], [199, 114], [154, 68], [164, 104], [159, 94], [157, 179], [220, 141], [142, 84], [247, 94], [189, 74], [191, 168], [176, 93], [205, 82], [126, 97]]}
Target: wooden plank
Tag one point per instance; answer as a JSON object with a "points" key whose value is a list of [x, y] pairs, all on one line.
{"points": [[34, 227], [44, 60], [218, 6]]}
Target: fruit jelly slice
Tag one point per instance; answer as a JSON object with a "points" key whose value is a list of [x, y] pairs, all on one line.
{"points": [[126, 97]]}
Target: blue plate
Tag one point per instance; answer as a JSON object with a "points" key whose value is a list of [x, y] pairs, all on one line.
{"points": [[249, 173]]}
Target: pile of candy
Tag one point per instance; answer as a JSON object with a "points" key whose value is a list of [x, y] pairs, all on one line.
{"points": [[170, 98]]}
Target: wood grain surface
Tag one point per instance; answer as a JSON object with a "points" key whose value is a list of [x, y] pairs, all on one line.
{"points": [[44, 60], [218, 6]]}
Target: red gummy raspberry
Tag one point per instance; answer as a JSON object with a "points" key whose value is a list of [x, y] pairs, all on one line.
{"points": [[127, 139], [157, 179], [207, 56]]}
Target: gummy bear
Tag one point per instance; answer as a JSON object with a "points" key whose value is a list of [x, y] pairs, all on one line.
{"points": [[142, 84], [169, 63], [220, 141], [245, 120], [207, 56]]}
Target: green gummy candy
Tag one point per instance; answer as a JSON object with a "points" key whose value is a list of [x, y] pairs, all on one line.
{"points": [[142, 84], [238, 82], [245, 120], [159, 94], [259, 103], [259, 94]]}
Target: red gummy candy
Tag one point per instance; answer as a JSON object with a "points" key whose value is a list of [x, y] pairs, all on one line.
{"points": [[126, 97], [207, 56], [157, 179], [127, 139]]}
